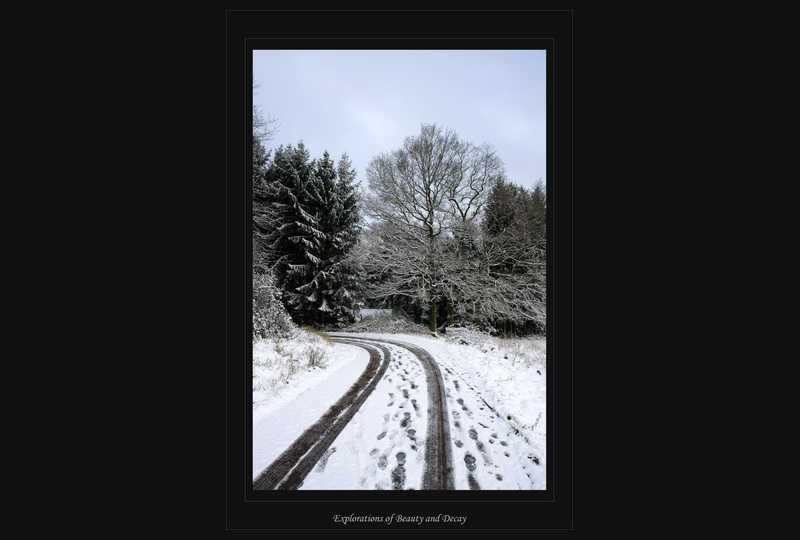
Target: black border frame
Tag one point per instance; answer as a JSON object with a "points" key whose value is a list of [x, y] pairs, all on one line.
{"points": [[511, 510]]}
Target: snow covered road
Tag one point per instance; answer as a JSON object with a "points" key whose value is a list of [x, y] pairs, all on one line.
{"points": [[292, 466], [429, 421], [438, 464]]}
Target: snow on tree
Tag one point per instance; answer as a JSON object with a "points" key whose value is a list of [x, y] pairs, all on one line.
{"points": [[291, 232], [512, 273], [425, 196], [311, 225], [262, 215], [321, 207], [333, 202], [270, 319], [346, 285], [264, 129]]}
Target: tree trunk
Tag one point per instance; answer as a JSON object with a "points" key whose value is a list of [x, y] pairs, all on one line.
{"points": [[432, 315], [450, 311]]}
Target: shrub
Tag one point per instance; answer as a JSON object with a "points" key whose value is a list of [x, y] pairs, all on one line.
{"points": [[270, 319]]}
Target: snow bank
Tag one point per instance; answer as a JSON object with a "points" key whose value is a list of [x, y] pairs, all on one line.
{"points": [[283, 365], [289, 395]]}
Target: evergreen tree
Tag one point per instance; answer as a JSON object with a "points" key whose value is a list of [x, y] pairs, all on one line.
{"points": [[294, 237], [347, 274], [537, 216], [513, 266], [313, 221], [322, 207]]}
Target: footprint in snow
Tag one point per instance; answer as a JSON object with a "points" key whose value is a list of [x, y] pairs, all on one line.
{"points": [[399, 473], [469, 459]]}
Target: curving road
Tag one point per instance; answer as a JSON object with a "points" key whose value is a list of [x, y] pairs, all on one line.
{"points": [[438, 457], [413, 420], [290, 469], [292, 466]]}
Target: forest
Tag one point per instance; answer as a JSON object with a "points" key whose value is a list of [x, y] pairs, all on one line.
{"points": [[438, 234]]}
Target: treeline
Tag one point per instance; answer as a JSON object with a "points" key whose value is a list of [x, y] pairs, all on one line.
{"points": [[441, 234], [450, 240]]}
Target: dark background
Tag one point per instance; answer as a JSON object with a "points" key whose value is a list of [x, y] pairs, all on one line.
{"points": [[145, 207]]}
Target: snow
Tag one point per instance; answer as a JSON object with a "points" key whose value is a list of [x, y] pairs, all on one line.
{"points": [[386, 433], [278, 422], [496, 402], [369, 312]]}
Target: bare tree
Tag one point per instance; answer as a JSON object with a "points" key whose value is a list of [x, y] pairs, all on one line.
{"points": [[264, 127], [425, 197]]}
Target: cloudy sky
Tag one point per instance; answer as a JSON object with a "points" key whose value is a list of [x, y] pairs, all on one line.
{"points": [[365, 102]]}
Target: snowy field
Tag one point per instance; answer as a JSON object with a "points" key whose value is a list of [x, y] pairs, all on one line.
{"points": [[506, 375]]}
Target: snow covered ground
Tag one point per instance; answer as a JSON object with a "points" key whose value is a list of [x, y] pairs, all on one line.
{"points": [[496, 399]]}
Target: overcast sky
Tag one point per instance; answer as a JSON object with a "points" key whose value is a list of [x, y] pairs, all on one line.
{"points": [[365, 102]]}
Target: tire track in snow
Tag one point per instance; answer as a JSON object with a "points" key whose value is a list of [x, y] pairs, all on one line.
{"points": [[294, 464], [438, 473]]}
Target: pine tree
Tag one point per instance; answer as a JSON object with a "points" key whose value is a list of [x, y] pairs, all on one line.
{"points": [[334, 292], [322, 207], [513, 266], [314, 217], [347, 275], [294, 237]]}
